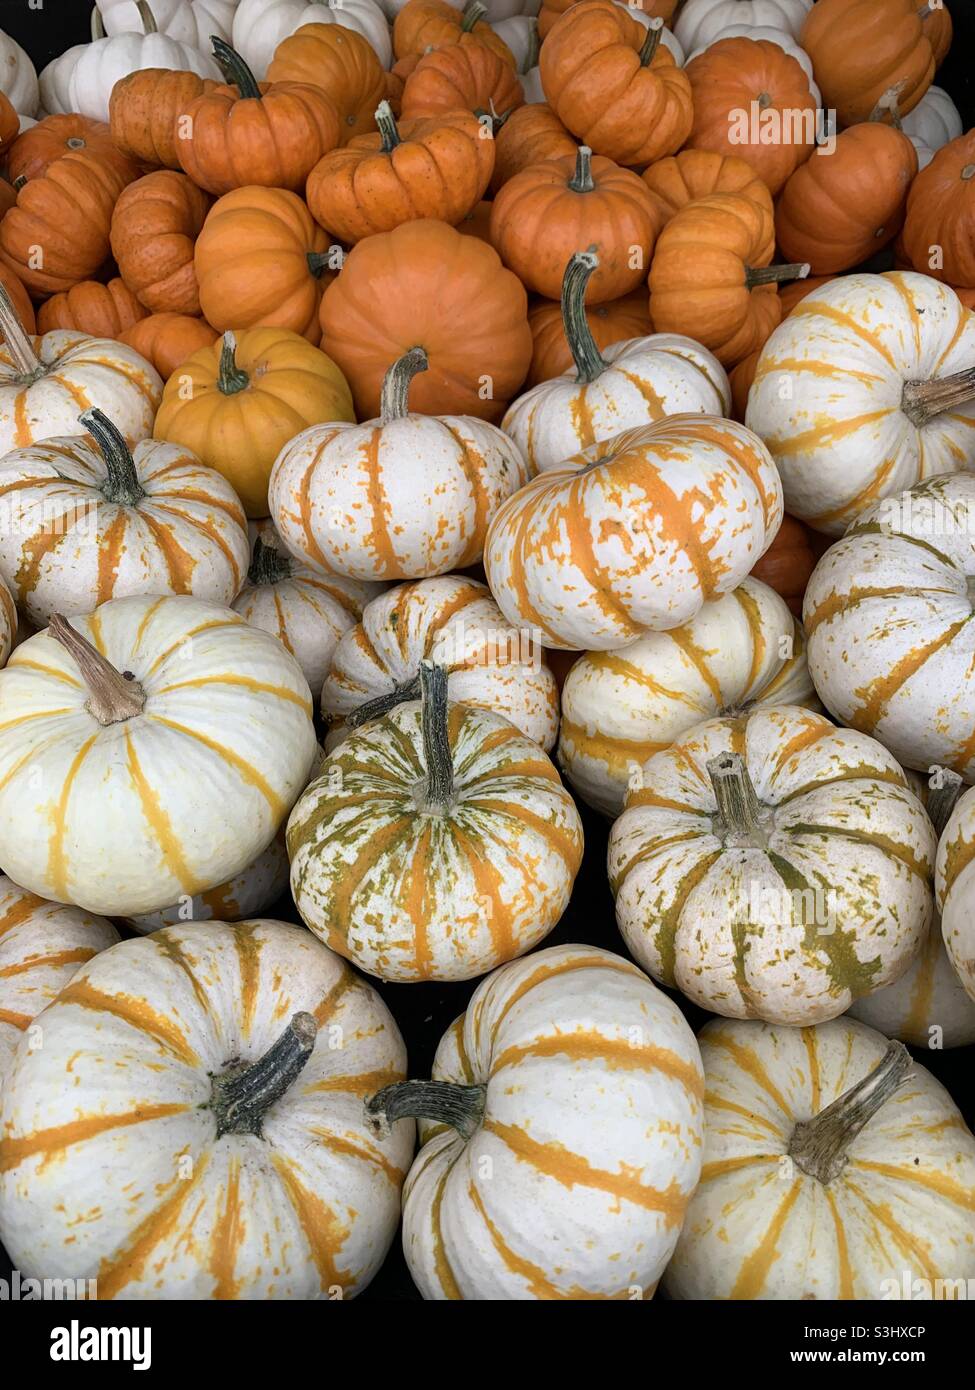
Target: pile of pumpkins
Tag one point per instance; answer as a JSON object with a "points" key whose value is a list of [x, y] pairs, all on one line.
{"points": [[490, 393]]}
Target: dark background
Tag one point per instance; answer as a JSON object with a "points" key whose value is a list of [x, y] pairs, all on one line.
{"points": [[423, 1012]]}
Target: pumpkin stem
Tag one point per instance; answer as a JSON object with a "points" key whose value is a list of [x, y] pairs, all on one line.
{"points": [[395, 398], [585, 354], [739, 812], [461, 1107], [472, 16], [268, 565], [921, 401], [122, 483], [888, 106], [386, 123], [652, 42], [19, 344], [435, 794], [944, 789], [241, 1099], [148, 18], [319, 261], [97, 25], [581, 180], [382, 704], [775, 274], [113, 696], [819, 1146], [234, 69], [230, 378]]}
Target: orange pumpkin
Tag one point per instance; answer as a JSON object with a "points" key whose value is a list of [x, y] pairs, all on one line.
{"points": [[862, 49], [655, 9], [15, 288], [154, 227], [342, 63], [422, 25], [937, 26], [609, 323], [680, 178], [166, 340], [144, 113], [8, 197], [549, 211], [940, 213], [790, 560], [104, 311], [613, 84], [425, 284], [260, 260], [966, 294], [437, 166], [9, 124], [455, 77], [54, 136], [530, 134], [477, 222]]}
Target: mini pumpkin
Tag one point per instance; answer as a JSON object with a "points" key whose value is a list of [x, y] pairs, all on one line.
{"points": [[155, 225], [864, 49], [789, 561], [167, 340], [254, 890], [36, 149], [145, 110], [104, 311], [938, 229], [262, 27], [422, 25], [340, 61], [530, 134], [700, 22], [9, 623], [457, 77], [682, 178], [954, 887], [608, 324]]}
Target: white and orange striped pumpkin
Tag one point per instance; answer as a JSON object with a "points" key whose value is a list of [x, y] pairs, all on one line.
{"points": [[888, 619], [629, 384], [436, 842], [222, 1069], [773, 866], [147, 750], [621, 707], [634, 534], [866, 388], [402, 497], [42, 945], [8, 620], [565, 1138], [84, 523], [834, 1168], [454, 622], [247, 894], [956, 890]]}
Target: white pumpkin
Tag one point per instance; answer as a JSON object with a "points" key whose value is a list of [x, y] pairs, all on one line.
{"points": [[924, 152], [55, 80], [628, 384], [562, 1137], [934, 121], [435, 844], [148, 750], [955, 880], [763, 33], [888, 619], [825, 1175], [260, 25], [305, 610], [701, 21], [18, 76], [402, 497], [773, 866], [520, 33], [8, 620], [85, 522], [42, 945], [454, 622], [222, 1068], [253, 891], [192, 22], [621, 707], [850, 397]]}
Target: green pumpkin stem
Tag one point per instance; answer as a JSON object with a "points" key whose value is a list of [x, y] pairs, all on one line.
{"points": [[585, 354], [230, 378], [382, 704], [437, 791], [268, 565], [921, 401], [241, 1099], [394, 401], [775, 274], [472, 16], [944, 789], [581, 180], [235, 70], [739, 812], [113, 696], [122, 484], [445, 1102], [319, 262], [652, 42], [19, 345], [386, 125]]}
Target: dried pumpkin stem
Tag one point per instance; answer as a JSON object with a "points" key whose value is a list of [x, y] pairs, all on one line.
{"points": [[739, 811], [585, 354], [319, 262], [775, 274], [230, 378], [820, 1146], [149, 25], [652, 42], [113, 697], [472, 16], [445, 1102], [944, 789], [382, 704], [386, 125], [234, 69], [97, 25], [19, 345], [436, 792], [921, 401], [888, 106], [241, 1099], [122, 484], [394, 402], [268, 565], [581, 180]]}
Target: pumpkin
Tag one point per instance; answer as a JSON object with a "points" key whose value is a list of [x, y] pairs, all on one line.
{"points": [[536, 1129], [37, 148], [19, 77], [104, 311], [847, 202], [188, 21], [237, 403], [862, 49], [936, 23], [635, 383], [341, 62], [305, 610], [680, 179], [886, 615], [473, 78], [422, 25], [742, 374], [700, 22], [879, 372], [219, 746], [634, 534], [212, 1043], [425, 284], [763, 33], [18, 297], [67, 212], [144, 111], [438, 167], [938, 229], [261, 27], [8, 622], [166, 340], [44, 381], [621, 707], [614, 85], [477, 222], [548, 211], [253, 890], [771, 839], [436, 843], [93, 523], [935, 120], [608, 324], [346, 500], [954, 889], [54, 79], [788, 563], [530, 134], [42, 945], [743, 89], [454, 622], [825, 1176], [520, 35], [154, 229]]}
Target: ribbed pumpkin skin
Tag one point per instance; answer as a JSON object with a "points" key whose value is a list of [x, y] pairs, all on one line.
{"points": [[700, 22], [305, 1210], [462, 77], [247, 894], [789, 561], [616, 541], [613, 322], [862, 48], [54, 136], [498, 1216], [343, 63], [155, 225], [455, 622], [104, 311], [679, 179], [758, 1227], [928, 1005], [144, 109], [14, 286], [841, 439], [530, 134], [954, 888], [941, 212], [209, 770], [9, 622], [166, 340], [42, 945], [720, 921], [938, 29], [410, 896], [619, 708], [425, 24]]}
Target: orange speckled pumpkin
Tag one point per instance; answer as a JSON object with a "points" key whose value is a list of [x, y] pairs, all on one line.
{"points": [[609, 323], [143, 113], [426, 285], [154, 228], [530, 134], [54, 136], [941, 212], [422, 25], [341, 62], [680, 178], [458, 77], [860, 49], [166, 340], [104, 311]]}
